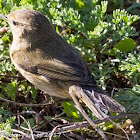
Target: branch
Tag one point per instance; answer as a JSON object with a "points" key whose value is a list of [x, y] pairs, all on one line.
{"points": [[66, 128], [78, 125], [23, 104]]}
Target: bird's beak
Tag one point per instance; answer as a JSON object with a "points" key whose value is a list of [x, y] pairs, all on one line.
{"points": [[4, 17]]}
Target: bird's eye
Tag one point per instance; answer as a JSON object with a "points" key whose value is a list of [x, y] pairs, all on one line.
{"points": [[15, 23]]}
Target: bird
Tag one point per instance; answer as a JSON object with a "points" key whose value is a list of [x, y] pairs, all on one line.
{"points": [[46, 60]]}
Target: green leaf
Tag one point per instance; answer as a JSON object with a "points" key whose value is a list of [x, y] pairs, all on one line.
{"points": [[11, 89], [30, 121], [2, 138], [70, 110], [80, 3], [33, 92], [125, 45]]}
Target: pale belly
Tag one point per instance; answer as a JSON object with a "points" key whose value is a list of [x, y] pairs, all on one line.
{"points": [[52, 87]]}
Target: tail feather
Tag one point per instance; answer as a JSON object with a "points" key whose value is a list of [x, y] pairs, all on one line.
{"points": [[97, 101]]}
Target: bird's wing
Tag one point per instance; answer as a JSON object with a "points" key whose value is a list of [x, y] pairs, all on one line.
{"points": [[68, 68]]}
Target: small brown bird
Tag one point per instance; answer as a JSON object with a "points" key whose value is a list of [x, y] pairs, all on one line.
{"points": [[46, 60]]}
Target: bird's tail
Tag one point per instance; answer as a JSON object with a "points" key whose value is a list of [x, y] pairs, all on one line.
{"points": [[97, 101]]}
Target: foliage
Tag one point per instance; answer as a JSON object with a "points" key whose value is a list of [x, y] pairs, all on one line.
{"points": [[121, 45], [106, 38], [130, 99], [7, 126], [131, 67], [71, 111]]}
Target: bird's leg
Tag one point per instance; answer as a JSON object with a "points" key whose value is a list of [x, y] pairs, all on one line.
{"points": [[71, 92]]}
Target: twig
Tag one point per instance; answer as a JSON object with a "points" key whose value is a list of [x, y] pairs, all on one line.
{"points": [[7, 138], [10, 76], [59, 115], [112, 92], [23, 104], [15, 131], [29, 126], [115, 135], [28, 112], [24, 128], [86, 116], [120, 128], [18, 119], [54, 129], [20, 132], [78, 125]]}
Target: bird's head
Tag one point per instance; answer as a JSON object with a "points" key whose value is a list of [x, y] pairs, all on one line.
{"points": [[28, 22]]}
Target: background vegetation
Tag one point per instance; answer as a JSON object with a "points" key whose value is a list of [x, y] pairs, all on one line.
{"points": [[106, 34]]}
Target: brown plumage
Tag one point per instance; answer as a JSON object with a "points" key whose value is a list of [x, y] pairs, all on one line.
{"points": [[52, 65]]}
